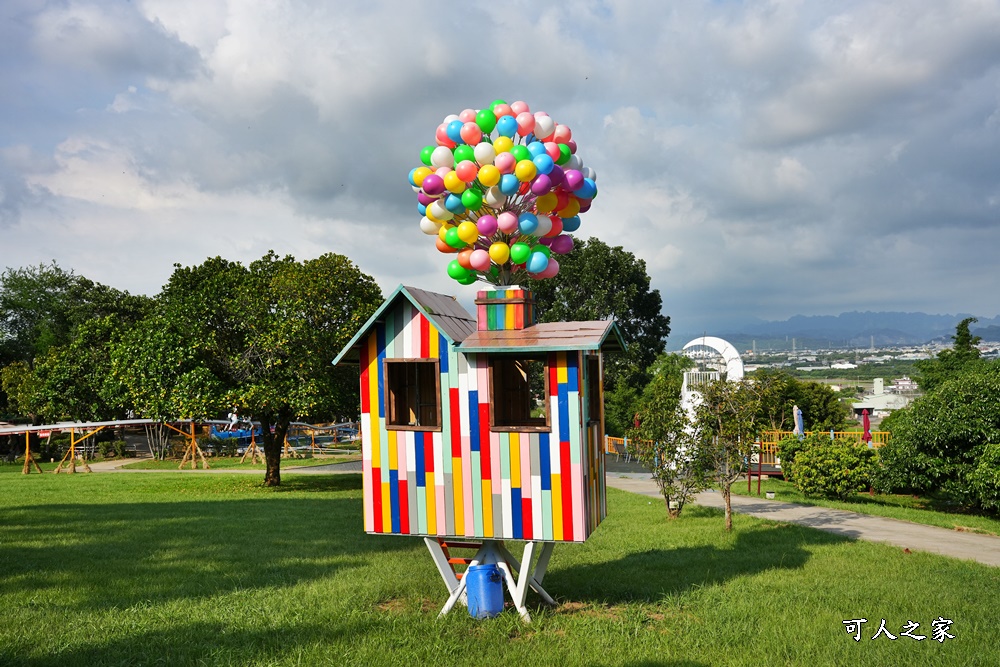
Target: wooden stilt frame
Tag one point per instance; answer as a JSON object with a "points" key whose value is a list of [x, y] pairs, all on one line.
{"points": [[29, 460], [517, 578], [191, 451], [71, 452], [288, 452], [252, 450]]}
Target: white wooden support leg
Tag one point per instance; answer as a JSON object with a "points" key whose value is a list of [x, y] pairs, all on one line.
{"points": [[443, 567], [536, 575]]}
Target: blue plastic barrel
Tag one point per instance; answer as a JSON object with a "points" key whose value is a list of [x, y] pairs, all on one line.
{"points": [[484, 590]]}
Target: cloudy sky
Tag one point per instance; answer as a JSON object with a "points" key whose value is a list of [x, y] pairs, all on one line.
{"points": [[765, 159]]}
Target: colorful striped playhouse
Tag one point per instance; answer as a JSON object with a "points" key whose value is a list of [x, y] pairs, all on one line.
{"points": [[488, 428]]}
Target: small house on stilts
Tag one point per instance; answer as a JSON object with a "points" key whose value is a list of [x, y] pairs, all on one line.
{"points": [[482, 429]]}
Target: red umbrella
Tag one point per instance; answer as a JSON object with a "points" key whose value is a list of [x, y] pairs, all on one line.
{"points": [[866, 422]]}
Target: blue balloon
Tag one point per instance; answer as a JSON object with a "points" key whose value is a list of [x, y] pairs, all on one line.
{"points": [[527, 223], [506, 126], [588, 190], [421, 209], [509, 184], [454, 204], [537, 262], [412, 182], [543, 163], [571, 224], [536, 148], [454, 131]]}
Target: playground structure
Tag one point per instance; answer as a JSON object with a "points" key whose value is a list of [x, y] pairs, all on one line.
{"points": [[457, 449], [319, 438]]}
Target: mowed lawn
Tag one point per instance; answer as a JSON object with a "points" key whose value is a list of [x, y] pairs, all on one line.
{"points": [[173, 569]]}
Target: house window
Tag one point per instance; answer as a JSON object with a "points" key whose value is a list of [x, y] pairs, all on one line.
{"points": [[519, 387], [412, 395]]}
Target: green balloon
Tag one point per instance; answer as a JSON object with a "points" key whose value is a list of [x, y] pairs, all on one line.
{"points": [[520, 152], [425, 154], [451, 238], [494, 103], [564, 154], [468, 280], [486, 120], [544, 249], [464, 152], [457, 271], [519, 253], [472, 199]]}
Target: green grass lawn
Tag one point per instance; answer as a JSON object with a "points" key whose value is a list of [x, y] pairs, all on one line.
{"points": [[904, 507], [217, 570], [233, 463]]}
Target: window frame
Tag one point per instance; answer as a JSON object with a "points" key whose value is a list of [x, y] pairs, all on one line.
{"points": [[388, 392], [541, 424]]}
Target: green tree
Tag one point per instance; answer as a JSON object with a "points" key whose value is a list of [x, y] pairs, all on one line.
{"points": [[944, 440], [948, 363], [596, 282], [261, 338], [728, 422], [664, 440], [821, 408]]}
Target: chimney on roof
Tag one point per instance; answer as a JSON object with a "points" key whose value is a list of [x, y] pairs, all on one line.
{"points": [[505, 309]]}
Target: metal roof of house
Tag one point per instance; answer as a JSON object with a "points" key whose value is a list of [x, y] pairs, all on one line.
{"points": [[444, 312], [549, 337]]}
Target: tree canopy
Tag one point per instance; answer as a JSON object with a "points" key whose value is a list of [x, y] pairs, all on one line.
{"points": [[948, 363], [258, 337]]}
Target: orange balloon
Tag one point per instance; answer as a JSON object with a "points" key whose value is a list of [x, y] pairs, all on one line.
{"points": [[444, 247], [463, 258]]}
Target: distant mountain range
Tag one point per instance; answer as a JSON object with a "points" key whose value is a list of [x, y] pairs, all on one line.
{"points": [[848, 330]]}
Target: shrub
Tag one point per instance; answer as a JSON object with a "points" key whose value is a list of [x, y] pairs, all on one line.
{"points": [[984, 480], [832, 468]]}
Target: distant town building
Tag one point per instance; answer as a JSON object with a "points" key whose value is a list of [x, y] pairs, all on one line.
{"points": [[880, 402]]}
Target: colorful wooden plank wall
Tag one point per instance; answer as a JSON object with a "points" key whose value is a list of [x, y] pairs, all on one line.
{"points": [[465, 480]]}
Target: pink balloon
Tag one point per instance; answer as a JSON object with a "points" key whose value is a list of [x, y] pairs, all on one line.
{"points": [[550, 270], [552, 149], [519, 107], [562, 134], [506, 221], [467, 116], [506, 162], [442, 171], [525, 123], [487, 225], [471, 134], [480, 260], [502, 110], [441, 135], [425, 198], [467, 171]]}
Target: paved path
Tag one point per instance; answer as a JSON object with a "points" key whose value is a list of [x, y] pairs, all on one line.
{"points": [[913, 536]]}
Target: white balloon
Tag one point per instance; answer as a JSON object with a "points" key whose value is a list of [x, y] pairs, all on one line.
{"points": [[589, 173], [450, 117], [440, 211], [544, 127], [544, 225], [428, 226], [442, 157], [485, 153], [574, 162], [494, 198]]}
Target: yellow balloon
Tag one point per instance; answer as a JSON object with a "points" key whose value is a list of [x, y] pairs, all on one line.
{"points": [[503, 144], [443, 231], [546, 203], [499, 252], [525, 170], [572, 208], [489, 175], [468, 232], [453, 183], [420, 174]]}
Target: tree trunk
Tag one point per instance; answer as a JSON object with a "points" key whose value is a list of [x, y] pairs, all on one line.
{"points": [[727, 495], [273, 443]]}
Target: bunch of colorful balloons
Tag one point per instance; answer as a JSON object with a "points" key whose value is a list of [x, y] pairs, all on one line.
{"points": [[502, 188]]}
